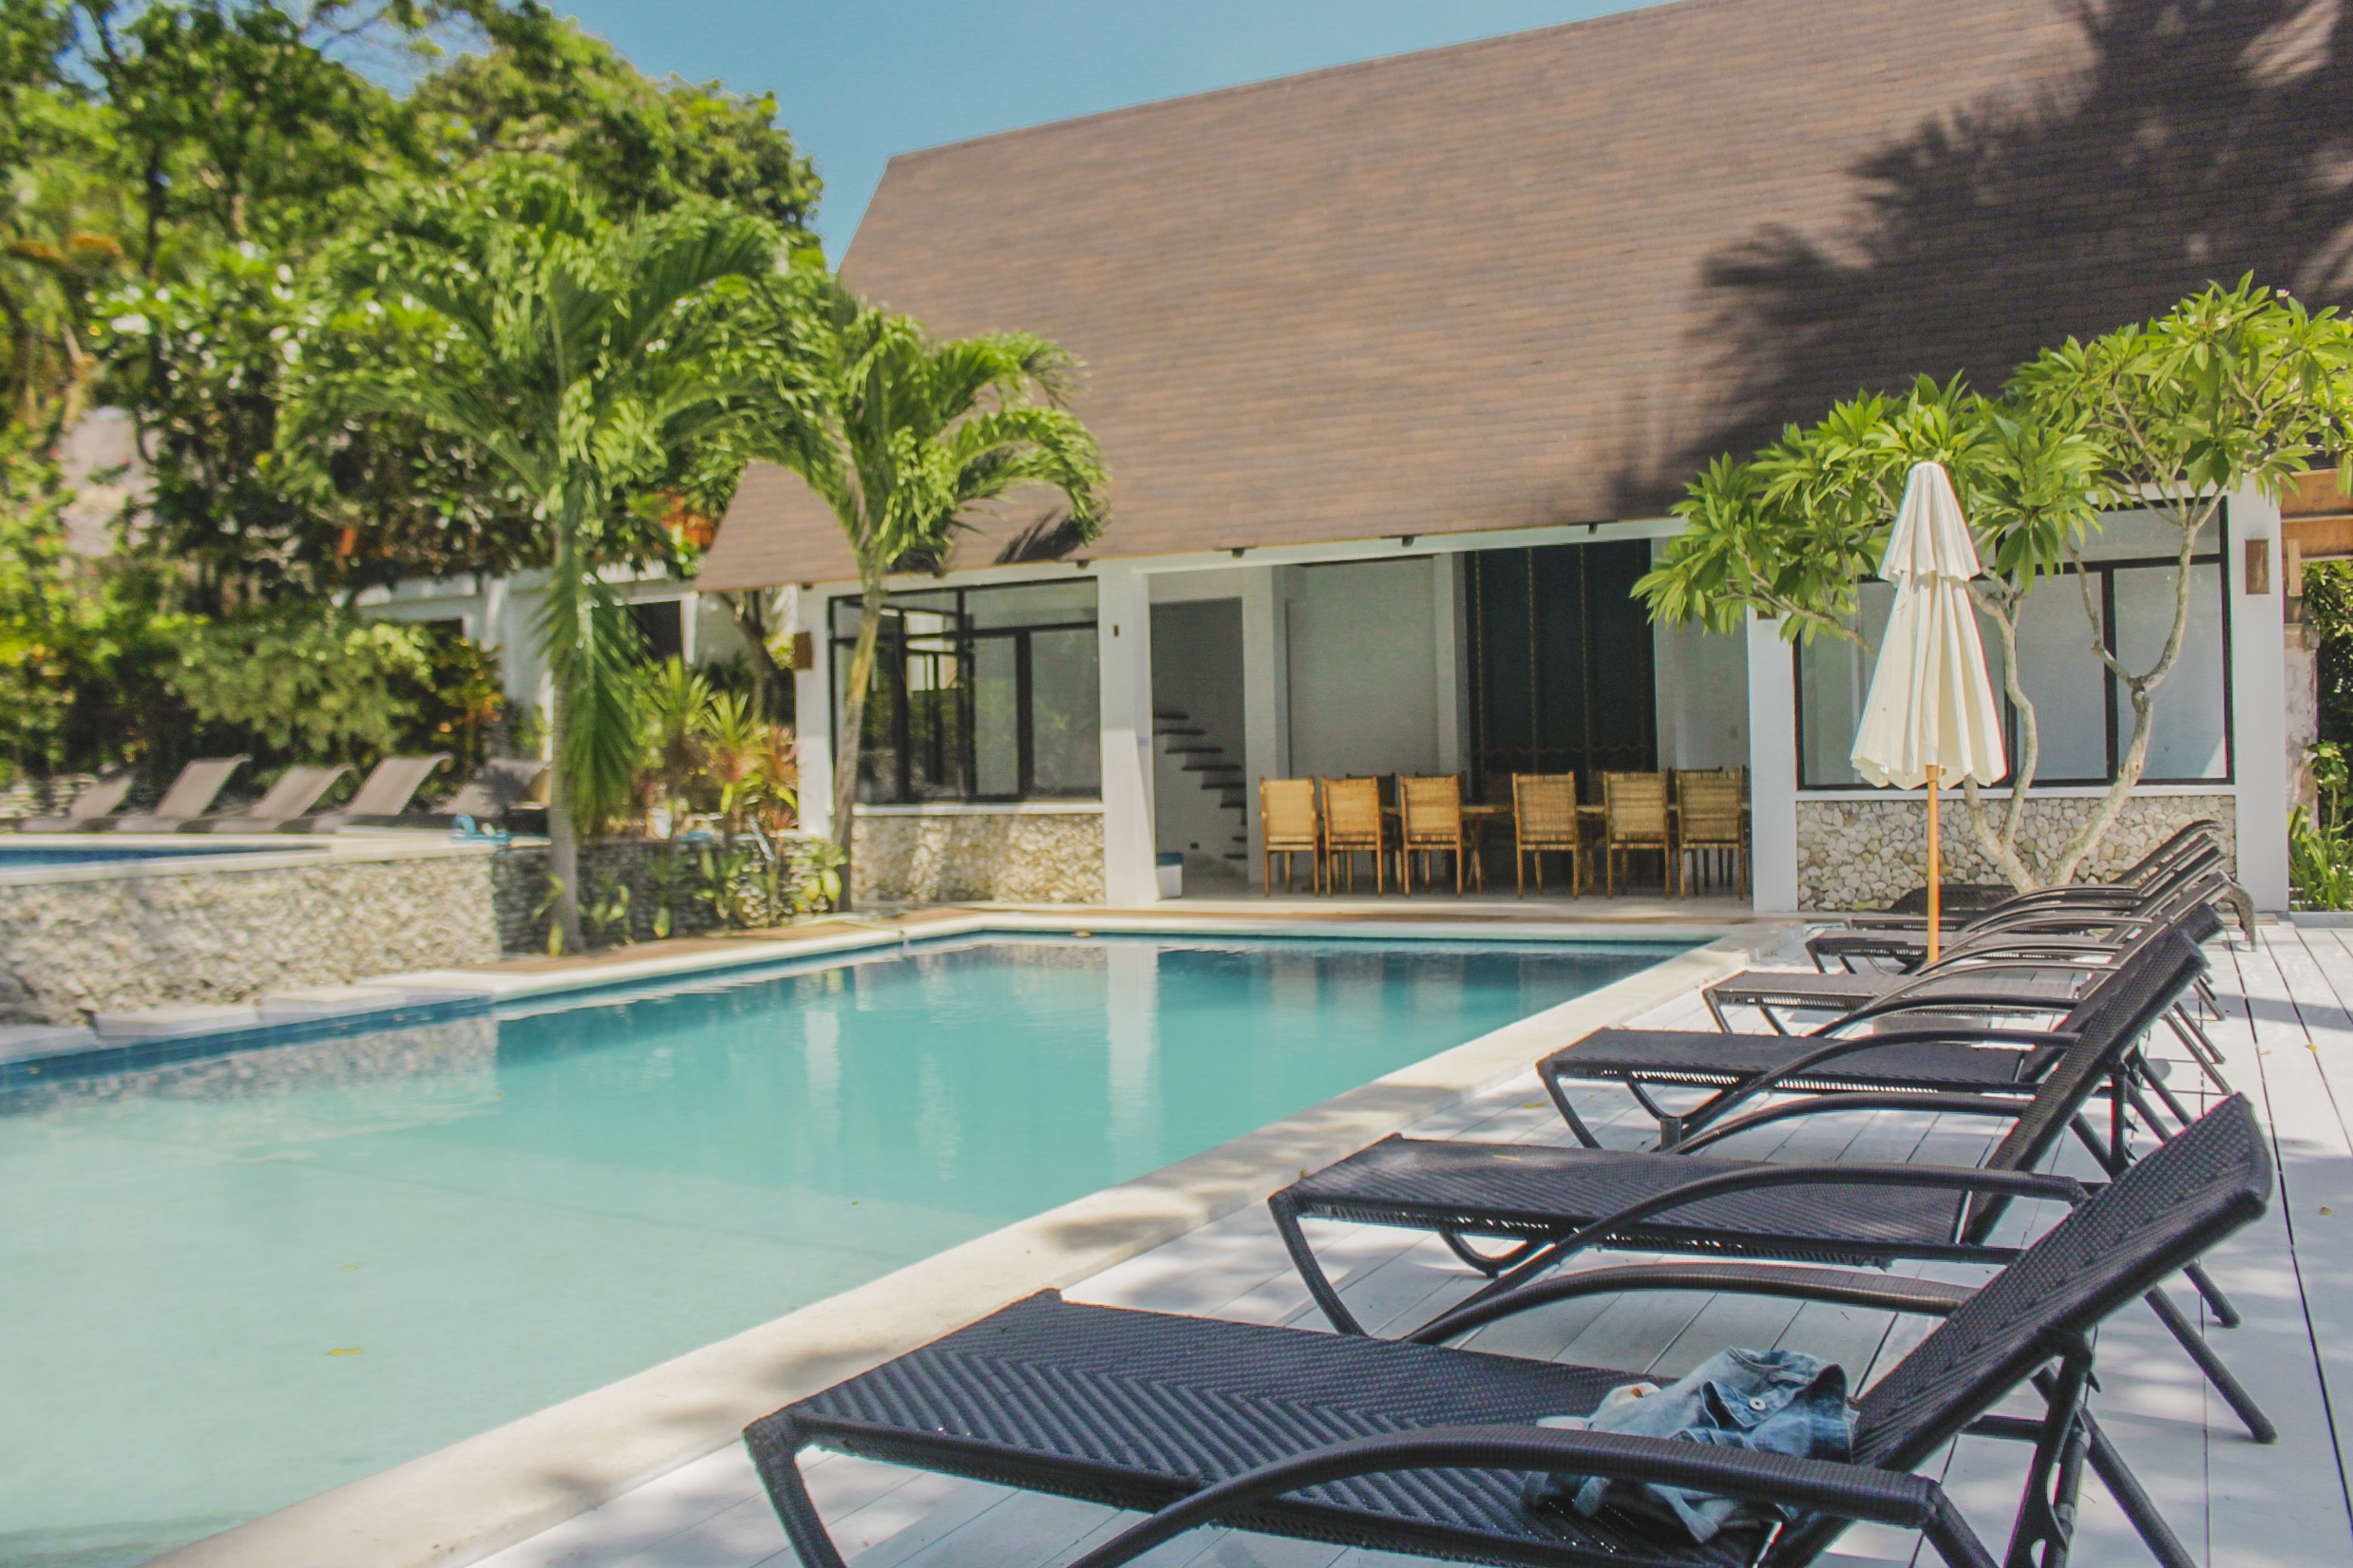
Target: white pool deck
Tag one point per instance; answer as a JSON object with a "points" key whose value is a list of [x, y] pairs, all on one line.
{"points": [[2288, 1039]]}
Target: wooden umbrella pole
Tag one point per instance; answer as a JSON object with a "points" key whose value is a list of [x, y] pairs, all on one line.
{"points": [[1936, 876]]}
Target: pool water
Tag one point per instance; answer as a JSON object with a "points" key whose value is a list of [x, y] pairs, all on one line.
{"points": [[16, 856], [237, 1281]]}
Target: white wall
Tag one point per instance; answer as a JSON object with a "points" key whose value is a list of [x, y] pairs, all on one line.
{"points": [[1363, 668]]}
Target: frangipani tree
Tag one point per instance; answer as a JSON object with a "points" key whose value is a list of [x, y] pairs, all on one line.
{"points": [[2232, 387], [902, 435], [586, 355]]}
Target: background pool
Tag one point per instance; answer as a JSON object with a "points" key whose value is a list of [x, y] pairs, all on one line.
{"points": [[236, 1281], [18, 854]]}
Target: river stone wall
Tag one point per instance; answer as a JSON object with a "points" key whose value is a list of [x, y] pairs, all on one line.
{"points": [[1020, 858], [68, 949], [1867, 854]]}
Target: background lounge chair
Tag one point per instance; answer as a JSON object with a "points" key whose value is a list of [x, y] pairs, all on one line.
{"points": [[88, 808], [384, 792], [501, 791], [297, 791], [187, 800]]}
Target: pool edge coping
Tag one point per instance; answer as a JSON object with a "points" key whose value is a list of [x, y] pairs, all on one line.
{"points": [[463, 1502]]}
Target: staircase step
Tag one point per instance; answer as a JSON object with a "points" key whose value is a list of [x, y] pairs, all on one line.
{"points": [[1210, 767], [1172, 715], [1211, 750], [1234, 855], [1177, 729]]}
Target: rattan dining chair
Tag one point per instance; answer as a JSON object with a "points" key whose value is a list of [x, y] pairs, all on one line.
{"points": [[1432, 810], [1353, 823], [1709, 825], [1289, 825], [1634, 817], [1544, 820]]}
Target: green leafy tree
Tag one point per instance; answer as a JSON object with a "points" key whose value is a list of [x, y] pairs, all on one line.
{"points": [[545, 90], [2233, 388], [901, 435], [308, 679], [585, 356]]}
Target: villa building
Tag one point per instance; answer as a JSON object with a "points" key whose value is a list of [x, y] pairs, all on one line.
{"points": [[1399, 368]]}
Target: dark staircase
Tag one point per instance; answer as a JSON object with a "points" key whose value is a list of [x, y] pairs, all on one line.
{"points": [[1208, 760]]}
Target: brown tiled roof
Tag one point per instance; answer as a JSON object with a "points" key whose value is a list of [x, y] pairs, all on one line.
{"points": [[1539, 279]]}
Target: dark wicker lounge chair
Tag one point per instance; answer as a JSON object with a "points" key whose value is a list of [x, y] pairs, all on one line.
{"points": [[1420, 1448], [1943, 1054], [1901, 942], [1550, 1204]]}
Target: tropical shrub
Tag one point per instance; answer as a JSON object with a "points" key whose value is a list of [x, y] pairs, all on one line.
{"points": [[309, 679]]}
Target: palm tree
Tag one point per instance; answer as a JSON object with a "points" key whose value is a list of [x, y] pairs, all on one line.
{"points": [[901, 435], [585, 355]]}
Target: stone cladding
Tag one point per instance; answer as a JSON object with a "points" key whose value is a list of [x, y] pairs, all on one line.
{"points": [[1011, 857], [68, 949], [1867, 854]]}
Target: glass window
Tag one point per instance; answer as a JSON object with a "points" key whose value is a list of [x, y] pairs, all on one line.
{"points": [[2073, 693], [2064, 680], [1832, 678], [979, 694], [2188, 736]]}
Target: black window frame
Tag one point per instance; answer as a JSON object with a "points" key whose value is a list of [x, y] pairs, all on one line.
{"points": [[2112, 705], [953, 605]]}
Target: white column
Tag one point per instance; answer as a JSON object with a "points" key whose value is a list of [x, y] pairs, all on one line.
{"points": [[1265, 693], [812, 708], [1773, 766], [1447, 672], [2258, 702], [1124, 637]]}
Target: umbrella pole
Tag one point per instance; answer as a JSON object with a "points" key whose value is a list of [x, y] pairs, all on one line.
{"points": [[1936, 877]]}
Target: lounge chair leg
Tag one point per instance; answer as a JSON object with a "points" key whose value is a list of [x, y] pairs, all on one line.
{"points": [[1568, 1112], [2046, 1514], [1285, 1210], [775, 1446], [2234, 1395]]}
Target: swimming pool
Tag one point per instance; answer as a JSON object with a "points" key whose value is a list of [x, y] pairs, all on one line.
{"points": [[242, 1280], [17, 854]]}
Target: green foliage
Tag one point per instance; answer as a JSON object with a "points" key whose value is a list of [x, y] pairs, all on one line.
{"points": [[547, 90], [82, 643], [2319, 854], [2328, 611], [2230, 388], [589, 358], [308, 679], [900, 434]]}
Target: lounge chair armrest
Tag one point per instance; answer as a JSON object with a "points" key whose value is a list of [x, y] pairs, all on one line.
{"points": [[1832, 1047], [1858, 1174], [1835, 1287], [1849, 1491]]}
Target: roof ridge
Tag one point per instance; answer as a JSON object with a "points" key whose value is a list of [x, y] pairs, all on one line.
{"points": [[1642, 11]]}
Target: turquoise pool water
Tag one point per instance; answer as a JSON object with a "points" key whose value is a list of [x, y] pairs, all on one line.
{"points": [[22, 853], [234, 1281]]}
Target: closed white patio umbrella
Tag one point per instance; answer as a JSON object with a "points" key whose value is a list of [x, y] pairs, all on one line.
{"points": [[1930, 718]]}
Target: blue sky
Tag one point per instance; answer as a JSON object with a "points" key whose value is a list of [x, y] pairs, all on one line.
{"points": [[859, 80]]}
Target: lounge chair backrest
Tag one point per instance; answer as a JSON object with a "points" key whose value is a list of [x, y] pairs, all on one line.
{"points": [[2204, 830], [1544, 809], [386, 789], [2179, 1199], [191, 793], [296, 790], [502, 782], [1432, 806], [1287, 813], [102, 797], [2131, 997], [1352, 810]]}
